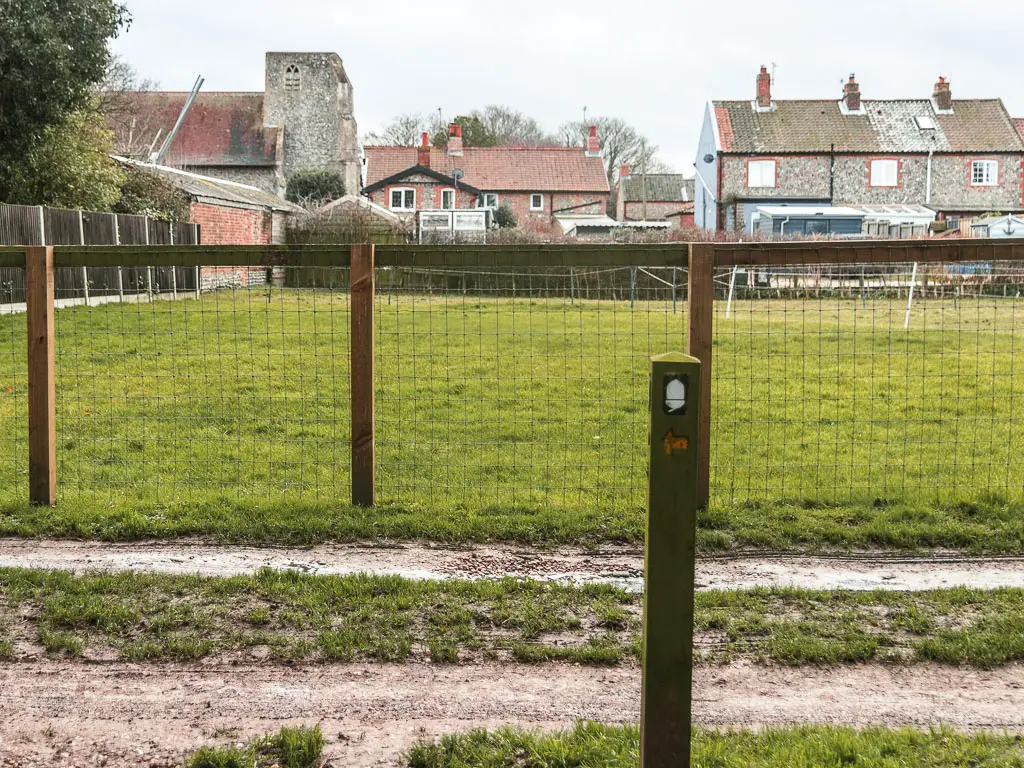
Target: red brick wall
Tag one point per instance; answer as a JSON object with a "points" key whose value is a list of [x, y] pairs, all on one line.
{"points": [[220, 225], [682, 221], [656, 211]]}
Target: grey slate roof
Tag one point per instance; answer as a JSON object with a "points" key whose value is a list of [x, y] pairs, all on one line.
{"points": [[208, 189], [981, 125], [661, 188]]}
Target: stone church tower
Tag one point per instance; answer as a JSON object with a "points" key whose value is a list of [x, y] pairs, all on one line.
{"points": [[304, 120], [309, 97]]}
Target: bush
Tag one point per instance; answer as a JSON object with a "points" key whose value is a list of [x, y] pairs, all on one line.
{"points": [[504, 217], [314, 188], [143, 193], [70, 167]]}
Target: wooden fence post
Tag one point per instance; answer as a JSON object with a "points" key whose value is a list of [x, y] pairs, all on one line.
{"points": [[42, 394], [701, 298], [364, 459]]}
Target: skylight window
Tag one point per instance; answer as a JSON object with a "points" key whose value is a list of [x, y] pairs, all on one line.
{"points": [[924, 123]]}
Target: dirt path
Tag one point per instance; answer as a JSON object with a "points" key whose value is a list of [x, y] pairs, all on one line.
{"points": [[618, 565], [80, 714]]}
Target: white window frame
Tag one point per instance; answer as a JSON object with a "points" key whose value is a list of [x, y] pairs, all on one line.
{"points": [[883, 179], [761, 181], [534, 196], [404, 191], [989, 173], [482, 200], [447, 193]]}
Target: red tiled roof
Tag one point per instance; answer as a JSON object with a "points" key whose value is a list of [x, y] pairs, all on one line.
{"points": [[1019, 122], [725, 134], [500, 169], [221, 128], [975, 125]]}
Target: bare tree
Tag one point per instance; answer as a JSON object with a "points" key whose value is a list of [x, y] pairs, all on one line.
{"points": [[121, 103], [620, 143], [406, 130], [512, 128]]}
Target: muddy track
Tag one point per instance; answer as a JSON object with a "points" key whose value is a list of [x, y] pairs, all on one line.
{"points": [[82, 714], [617, 565]]}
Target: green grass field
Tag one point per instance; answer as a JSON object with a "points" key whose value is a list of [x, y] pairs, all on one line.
{"points": [[524, 419]]}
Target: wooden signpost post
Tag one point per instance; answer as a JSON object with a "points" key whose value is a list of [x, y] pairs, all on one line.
{"points": [[665, 710]]}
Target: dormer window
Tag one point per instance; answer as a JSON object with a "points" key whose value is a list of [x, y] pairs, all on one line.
{"points": [[292, 78]]}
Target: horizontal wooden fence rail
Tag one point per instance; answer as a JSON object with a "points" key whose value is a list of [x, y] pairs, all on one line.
{"points": [[861, 252], [439, 301]]}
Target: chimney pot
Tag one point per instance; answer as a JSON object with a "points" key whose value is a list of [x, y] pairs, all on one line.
{"points": [[764, 89], [851, 94], [943, 96], [593, 145], [624, 170]]}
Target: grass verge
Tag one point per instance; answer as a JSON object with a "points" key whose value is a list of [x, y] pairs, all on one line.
{"points": [[590, 745], [288, 616], [288, 748], [994, 526]]}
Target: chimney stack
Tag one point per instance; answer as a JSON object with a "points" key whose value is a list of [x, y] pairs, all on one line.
{"points": [[851, 94], [624, 170], [764, 89], [593, 145], [942, 96], [423, 151], [455, 139]]}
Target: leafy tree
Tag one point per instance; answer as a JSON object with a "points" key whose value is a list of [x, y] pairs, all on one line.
{"points": [[52, 55], [70, 167], [620, 143], [504, 217], [145, 193], [314, 188], [474, 133]]}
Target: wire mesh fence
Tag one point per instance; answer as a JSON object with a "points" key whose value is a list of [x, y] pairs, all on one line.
{"points": [[520, 387], [13, 393], [527, 387], [242, 392], [843, 383]]}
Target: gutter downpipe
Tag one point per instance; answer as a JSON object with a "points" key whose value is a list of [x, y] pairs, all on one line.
{"points": [[928, 189], [782, 226]]}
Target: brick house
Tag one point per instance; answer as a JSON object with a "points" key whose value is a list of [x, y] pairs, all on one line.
{"points": [[654, 197], [957, 157], [536, 183], [304, 119]]}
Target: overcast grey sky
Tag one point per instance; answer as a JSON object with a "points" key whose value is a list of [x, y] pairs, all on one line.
{"points": [[654, 62]]}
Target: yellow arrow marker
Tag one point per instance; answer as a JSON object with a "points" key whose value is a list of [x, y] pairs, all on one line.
{"points": [[673, 443]]}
